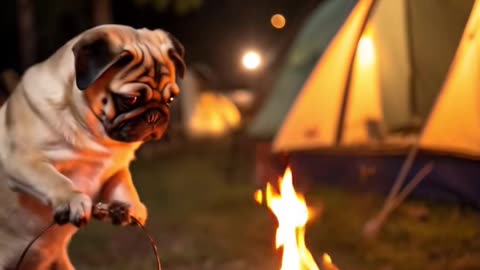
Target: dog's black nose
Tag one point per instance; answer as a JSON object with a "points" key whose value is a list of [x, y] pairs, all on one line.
{"points": [[152, 116]]}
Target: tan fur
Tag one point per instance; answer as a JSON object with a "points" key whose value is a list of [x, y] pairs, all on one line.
{"points": [[54, 151]]}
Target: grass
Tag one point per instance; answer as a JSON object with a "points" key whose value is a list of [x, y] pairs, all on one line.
{"points": [[202, 220]]}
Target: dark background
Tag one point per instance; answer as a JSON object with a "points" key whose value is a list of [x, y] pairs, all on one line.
{"points": [[214, 32]]}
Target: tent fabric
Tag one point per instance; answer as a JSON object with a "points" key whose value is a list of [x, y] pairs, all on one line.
{"points": [[203, 112], [377, 91], [393, 61], [302, 58], [454, 125], [303, 126], [435, 39]]}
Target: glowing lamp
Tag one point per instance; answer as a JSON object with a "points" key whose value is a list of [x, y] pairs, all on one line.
{"points": [[251, 60]]}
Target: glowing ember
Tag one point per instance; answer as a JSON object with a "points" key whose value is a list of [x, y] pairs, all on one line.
{"points": [[258, 196], [292, 214], [327, 259], [327, 263]]}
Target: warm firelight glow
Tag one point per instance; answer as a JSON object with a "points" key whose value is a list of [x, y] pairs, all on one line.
{"points": [[327, 263], [292, 214], [366, 50], [327, 259], [258, 196]]}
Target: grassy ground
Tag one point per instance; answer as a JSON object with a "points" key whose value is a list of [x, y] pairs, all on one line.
{"points": [[201, 220]]}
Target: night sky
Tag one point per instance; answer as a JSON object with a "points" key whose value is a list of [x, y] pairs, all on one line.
{"points": [[219, 32], [215, 34]]}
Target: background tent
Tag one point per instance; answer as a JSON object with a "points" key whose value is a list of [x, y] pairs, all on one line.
{"points": [[378, 79], [309, 45], [312, 40], [203, 112], [367, 100]]}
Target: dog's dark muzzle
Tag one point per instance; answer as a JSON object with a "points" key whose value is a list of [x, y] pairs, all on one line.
{"points": [[153, 116], [145, 126]]}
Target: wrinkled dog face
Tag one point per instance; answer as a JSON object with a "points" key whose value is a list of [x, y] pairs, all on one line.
{"points": [[129, 79]]}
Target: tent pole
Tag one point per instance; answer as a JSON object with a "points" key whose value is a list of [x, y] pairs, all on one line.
{"points": [[346, 90], [373, 225], [402, 195], [406, 167], [396, 196]]}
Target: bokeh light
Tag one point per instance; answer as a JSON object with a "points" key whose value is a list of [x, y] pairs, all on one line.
{"points": [[251, 60], [278, 21]]}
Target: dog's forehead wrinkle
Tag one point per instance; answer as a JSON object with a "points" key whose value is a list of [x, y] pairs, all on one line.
{"points": [[164, 70], [141, 76]]}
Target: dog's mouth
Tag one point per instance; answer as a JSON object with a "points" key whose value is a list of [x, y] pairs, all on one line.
{"points": [[142, 124]]}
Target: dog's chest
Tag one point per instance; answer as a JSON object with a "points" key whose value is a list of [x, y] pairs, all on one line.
{"points": [[90, 170]]}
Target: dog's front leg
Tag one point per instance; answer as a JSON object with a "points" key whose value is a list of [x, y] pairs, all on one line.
{"points": [[119, 191], [32, 174], [63, 262]]}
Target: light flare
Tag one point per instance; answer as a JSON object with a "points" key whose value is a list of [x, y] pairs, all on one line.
{"points": [[251, 60], [366, 50]]}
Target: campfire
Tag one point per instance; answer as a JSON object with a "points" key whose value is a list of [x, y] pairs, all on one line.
{"points": [[292, 214]]}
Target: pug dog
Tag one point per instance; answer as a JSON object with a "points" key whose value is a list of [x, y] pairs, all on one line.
{"points": [[69, 131]]}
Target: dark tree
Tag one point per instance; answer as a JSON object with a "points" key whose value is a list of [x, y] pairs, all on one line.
{"points": [[26, 33], [101, 12]]}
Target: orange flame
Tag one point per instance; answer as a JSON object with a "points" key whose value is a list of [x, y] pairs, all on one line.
{"points": [[327, 263], [258, 196], [292, 214]]}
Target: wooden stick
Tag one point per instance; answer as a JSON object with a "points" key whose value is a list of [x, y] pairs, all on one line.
{"points": [[372, 227], [422, 174], [406, 167]]}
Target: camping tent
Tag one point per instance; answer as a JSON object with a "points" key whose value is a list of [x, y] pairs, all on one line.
{"points": [[203, 112], [317, 32], [307, 47], [397, 74]]}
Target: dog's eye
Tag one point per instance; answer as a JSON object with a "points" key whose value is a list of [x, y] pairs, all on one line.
{"points": [[130, 100], [169, 93]]}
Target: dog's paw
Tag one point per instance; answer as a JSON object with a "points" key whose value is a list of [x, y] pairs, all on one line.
{"points": [[119, 213], [75, 208], [122, 213]]}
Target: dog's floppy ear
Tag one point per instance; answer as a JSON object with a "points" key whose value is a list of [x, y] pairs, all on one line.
{"points": [[94, 54], [177, 55]]}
